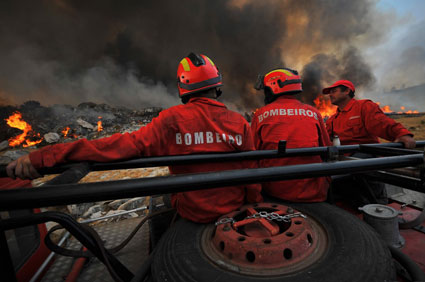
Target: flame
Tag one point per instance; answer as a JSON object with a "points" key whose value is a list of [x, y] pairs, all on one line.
{"points": [[387, 109], [99, 125], [16, 121], [65, 131], [324, 106]]}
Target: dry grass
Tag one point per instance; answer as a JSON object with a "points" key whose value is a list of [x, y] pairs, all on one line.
{"points": [[113, 175], [416, 125]]}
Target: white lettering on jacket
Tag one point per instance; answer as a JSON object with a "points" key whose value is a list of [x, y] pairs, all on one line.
{"points": [[196, 138], [287, 112], [178, 138]]}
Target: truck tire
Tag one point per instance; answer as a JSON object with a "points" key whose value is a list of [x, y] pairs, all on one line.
{"points": [[355, 252]]}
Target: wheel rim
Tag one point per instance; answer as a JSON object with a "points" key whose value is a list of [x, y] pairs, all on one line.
{"points": [[261, 247]]}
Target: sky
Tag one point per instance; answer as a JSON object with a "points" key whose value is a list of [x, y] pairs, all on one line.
{"points": [[126, 53], [399, 60]]}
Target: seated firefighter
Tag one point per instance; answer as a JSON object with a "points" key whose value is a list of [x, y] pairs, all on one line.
{"points": [[286, 118], [361, 122], [200, 125]]}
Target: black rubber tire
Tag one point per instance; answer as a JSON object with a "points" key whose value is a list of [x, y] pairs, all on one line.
{"points": [[355, 253]]}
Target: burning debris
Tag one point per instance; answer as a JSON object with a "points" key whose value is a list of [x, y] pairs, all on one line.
{"points": [[99, 125], [15, 121], [387, 109], [25, 125]]}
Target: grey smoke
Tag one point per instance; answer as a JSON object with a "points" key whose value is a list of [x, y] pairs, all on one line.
{"points": [[126, 53]]}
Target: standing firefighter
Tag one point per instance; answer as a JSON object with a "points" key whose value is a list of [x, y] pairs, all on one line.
{"points": [[201, 125], [286, 118], [361, 121]]}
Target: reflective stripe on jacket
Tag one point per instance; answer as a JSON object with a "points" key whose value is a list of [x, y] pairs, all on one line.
{"points": [[200, 126], [301, 126], [362, 122]]}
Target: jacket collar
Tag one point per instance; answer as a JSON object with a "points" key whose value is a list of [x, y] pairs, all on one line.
{"points": [[348, 106], [286, 98], [207, 101]]}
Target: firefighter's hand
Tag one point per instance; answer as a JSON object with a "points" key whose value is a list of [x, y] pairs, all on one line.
{"points": [[22, 168], [408, 141]]}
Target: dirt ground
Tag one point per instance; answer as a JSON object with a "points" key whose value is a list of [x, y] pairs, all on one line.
{"points": [[416, 125]]}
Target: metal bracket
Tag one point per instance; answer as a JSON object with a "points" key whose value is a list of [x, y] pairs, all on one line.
{"points": [[281, 147], [333, 153]]}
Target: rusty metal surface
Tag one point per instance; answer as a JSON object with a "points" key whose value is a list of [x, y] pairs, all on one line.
{"points": [[132, 256], [415, 240], [259, 246], [406, 196]]}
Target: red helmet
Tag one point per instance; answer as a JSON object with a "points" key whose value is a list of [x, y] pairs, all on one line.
{"points": [[280, 81], [197, 73]]}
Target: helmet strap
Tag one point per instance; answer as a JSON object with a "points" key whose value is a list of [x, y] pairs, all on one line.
{"points": [[218, 92], [269, 97]]}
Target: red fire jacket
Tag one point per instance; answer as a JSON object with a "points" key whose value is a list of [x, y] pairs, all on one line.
{"points": [[202, 125], [362, 122], [301, 126]]}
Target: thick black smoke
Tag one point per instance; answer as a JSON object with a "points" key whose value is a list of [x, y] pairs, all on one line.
{"points": [[327, 69], [126, 52]]}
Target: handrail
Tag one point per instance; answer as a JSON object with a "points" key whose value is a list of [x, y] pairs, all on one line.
{"points": [[91, 192], [216, 157]]}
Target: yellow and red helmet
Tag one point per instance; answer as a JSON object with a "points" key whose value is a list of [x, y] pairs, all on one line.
{"points": [[197, 73], [280, 81]]}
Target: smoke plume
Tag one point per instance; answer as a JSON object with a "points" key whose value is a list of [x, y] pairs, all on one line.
{"points": [[125, 53]]}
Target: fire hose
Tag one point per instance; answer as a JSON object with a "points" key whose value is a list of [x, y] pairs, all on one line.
{"points": [[412, 268]]}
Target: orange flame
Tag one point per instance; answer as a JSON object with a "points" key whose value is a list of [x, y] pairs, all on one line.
{"points": [[324, 106], [387, 109], [65, 131], [15, 121], [99, 125]]}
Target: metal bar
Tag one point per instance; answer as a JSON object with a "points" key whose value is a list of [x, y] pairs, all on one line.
{"points": [[72, 175], [46, 262], [406, 171], [385, 151], [407, 182], [213, 157], [91, 192]]}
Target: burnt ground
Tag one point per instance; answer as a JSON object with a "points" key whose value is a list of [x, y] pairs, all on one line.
{"points": [[54, 119]]}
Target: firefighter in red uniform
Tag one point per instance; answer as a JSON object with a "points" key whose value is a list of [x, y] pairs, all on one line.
{"points": [[361, 121], [201, 125], [286, 118]]}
